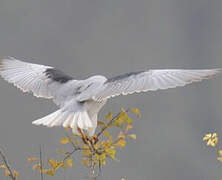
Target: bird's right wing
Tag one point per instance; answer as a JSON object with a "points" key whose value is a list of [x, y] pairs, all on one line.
{"points": [[42, 81], [151, 80]]}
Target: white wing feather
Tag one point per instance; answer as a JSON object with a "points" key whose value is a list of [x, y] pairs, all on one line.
{"points": [[29, 77], [151, 80]]}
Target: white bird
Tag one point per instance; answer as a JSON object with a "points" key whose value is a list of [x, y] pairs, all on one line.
{"points": [[80, 101]]}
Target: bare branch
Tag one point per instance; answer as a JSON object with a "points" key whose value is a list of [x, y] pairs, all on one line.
{"points": [[41, 162], [11, 175], [70, 154]]}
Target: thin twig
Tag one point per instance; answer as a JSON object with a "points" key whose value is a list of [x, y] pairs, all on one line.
{"points": [[70, 140], [41, 163], [7, 165], [92, 175], [70, 154], [110, 123]]}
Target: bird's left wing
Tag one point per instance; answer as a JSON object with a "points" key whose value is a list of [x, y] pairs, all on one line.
{"points": [[42, 81], [151, 80]]}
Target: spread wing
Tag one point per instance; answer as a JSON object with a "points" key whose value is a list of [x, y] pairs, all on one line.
{"points": [[42, 81], [151, 80]]}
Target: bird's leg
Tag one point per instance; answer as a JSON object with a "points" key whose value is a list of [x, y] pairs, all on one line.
{"points": [[83, 135]]}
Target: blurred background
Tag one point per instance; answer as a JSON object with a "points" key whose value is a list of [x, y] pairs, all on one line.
{"points": [[109, 37]]}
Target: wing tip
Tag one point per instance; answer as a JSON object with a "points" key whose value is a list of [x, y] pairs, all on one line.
{"points": [[218, 70], [5, 60]]}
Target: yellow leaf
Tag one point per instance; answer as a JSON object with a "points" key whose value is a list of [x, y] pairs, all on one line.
{"points": [[128, 120], [136, 111], [58, 165], [69, 162], [2, 166], [128, 127], [108, 135], [103, 162], [32, 159], [211, 139], [7, 173], [100, 158], [123, 114], [214, 135], [121, 135], [102, 143], [104, 127], [109, 116], [100, 123], [86, 152], [64, 140], [53, 163], [85, 162], [118, 122], [111, 153], [61, 152], [125, 117], [219, 159], [36, 166], [96, 158], [77, 142], [220, 152], [16, 174], [121, 143], [207, 136], [50, 172], [63, 164], [133, 136], [212, 142]]}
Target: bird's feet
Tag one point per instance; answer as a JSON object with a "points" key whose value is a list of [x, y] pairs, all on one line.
{"points": [[93, 139]]}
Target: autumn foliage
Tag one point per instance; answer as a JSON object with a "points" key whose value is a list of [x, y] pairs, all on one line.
{"points": [[94, 150], [211, 140]]}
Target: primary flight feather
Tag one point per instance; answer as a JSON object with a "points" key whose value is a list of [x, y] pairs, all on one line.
{"points": [[80, 101]]}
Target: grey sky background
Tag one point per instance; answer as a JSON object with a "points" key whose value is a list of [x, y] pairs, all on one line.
{"points": [[87, 37]]}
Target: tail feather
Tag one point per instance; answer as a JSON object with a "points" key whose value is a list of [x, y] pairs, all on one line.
{"points": [[59, 121], [47, 119], [53, 120], [84, 122], [73, 124], [67, 119]]}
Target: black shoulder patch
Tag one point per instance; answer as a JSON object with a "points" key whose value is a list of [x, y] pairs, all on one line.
{"points": [[123, 76], [57, 75]]}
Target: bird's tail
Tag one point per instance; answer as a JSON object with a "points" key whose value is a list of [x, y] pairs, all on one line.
{"points": [[67, 119]]}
